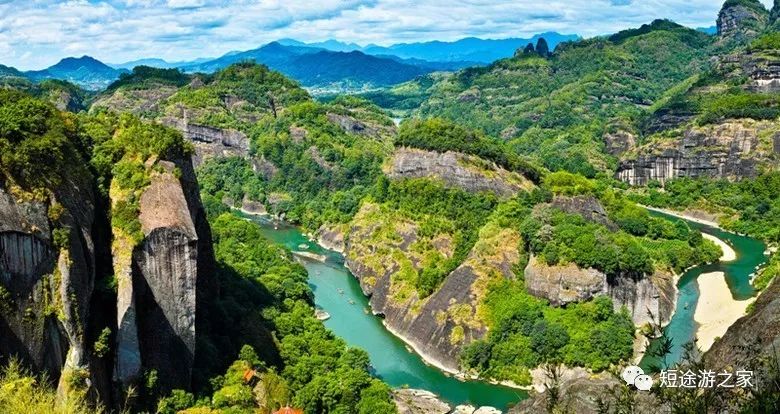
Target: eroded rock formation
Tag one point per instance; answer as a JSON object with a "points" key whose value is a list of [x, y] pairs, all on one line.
{"points": [[456, 170], [211, 142], [741, 19], [732, 150], [47, 274], [160, 280]]}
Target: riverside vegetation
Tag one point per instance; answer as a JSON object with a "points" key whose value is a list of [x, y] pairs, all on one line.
{"points": [[565, 124]]}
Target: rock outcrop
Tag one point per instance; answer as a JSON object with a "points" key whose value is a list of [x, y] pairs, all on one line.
{"points": [[741, 19], [654, 295], [352, 125], [437, 326], [160, 280], [562, 285], [750, 337], [47, 274], [411, 401], [211, 142], [731, 150], [581, 394], [462, 171]]}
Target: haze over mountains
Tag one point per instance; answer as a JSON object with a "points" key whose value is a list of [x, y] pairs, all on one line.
{"points": [[328, 64]]}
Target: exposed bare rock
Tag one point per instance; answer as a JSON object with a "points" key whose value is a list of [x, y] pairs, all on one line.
{"points": [[46, 288], [563, 284], [315, 154], [298, 134], [655, 295], [352, 125], [458, 170], [733, 150], [440, 325], [742, 20], [331, 237], [581, 393], [619, 142], [264, 167], [648, 300], [251, 206], [160, 280], [411, 401], [211, 142], [586, 206], [464, 409], [763, 71]]}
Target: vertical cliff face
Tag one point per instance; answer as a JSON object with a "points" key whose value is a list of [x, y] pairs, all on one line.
{"points": [[47, 271], [741, 19], [161, 278], [733, 150], [654, 295], [440, 325]]}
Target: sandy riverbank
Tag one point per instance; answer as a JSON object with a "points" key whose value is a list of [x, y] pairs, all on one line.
{"points": [[684, 216], [729, 255], [716, 308]]}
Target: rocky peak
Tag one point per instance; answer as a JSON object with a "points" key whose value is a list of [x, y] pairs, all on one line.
{"points": [[742, 19]]}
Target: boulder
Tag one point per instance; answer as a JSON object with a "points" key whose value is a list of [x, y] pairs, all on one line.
{"points": [[411, 401]]}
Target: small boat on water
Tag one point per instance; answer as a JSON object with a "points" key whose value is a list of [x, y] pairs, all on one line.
{"points": [[303, 246], [321, 315], [351, 302], [341, 291]]}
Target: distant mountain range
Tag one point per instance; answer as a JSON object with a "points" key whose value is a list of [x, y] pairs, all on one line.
{"points": [[321, 64], [470, 49]]}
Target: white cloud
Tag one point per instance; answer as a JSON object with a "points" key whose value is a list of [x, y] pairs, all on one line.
{"points": [[37, 33]]}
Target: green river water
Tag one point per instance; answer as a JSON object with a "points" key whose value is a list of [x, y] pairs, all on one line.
{"points": [[682, 328], [338, 292]]}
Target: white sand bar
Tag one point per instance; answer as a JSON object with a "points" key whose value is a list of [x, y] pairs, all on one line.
{"points": [[716, 309]]}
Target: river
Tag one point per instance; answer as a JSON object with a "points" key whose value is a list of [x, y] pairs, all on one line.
{"points": [[682, 327], [338, 292]]}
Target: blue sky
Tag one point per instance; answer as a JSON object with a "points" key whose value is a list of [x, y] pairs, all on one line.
{"points": [[37, 33]]}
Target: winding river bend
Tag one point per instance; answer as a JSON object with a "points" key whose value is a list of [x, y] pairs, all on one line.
{"points": [[682, 328], [337, 292]]}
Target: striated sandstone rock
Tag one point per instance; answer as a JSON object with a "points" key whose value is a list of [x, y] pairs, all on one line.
{"points": [[160, 281], [563, 284], [586, 206], [352, 125], [655, 295], [456, 170], [211, 142], [439, 325], [411, 401], [47, 287], [741, 20], [733, 150], [619, 142]]}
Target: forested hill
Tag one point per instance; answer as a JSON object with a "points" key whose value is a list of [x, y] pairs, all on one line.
{"points": [[631, 103]]}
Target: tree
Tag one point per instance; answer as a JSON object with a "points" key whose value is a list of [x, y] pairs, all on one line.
{"points": [[542, 48]]}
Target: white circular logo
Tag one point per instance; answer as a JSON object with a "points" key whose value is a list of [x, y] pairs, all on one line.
{"points": [[630, 373], [643, 382]]}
